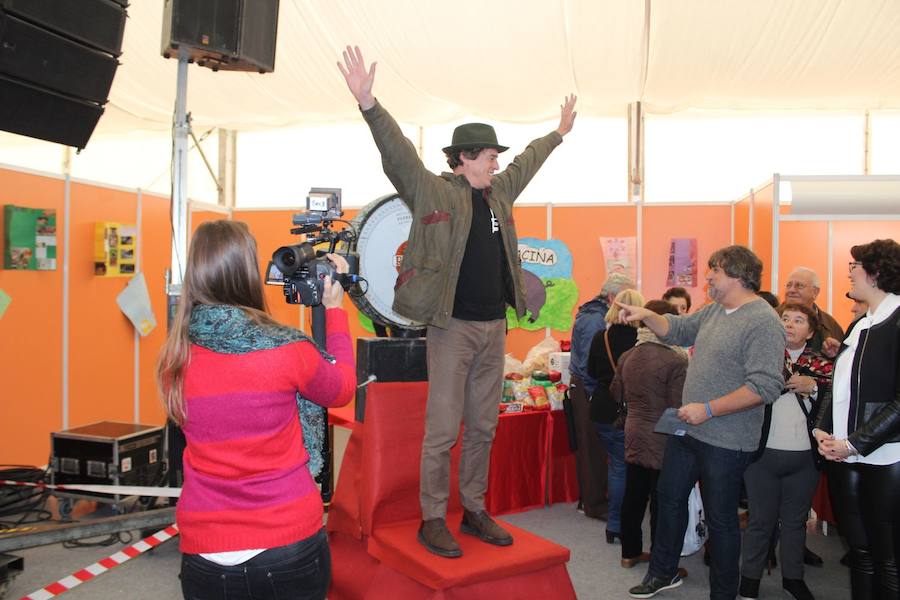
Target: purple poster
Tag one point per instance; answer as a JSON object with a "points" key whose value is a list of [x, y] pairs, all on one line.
{"points": [[682, 263]]}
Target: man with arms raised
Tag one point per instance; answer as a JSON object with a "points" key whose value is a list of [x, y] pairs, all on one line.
{"points": [[736, 368], [459, 271]]}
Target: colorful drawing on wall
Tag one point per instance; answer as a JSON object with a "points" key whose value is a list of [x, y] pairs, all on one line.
{"points": [[114, 249], [682, 262], [620, 255], [134, 301], [551, 293], [29, 238], [5, 301]]}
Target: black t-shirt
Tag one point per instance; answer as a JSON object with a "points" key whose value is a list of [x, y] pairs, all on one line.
{"points": [[481, 288]]}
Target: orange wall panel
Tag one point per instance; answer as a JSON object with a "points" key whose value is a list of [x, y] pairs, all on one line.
{"points": [[742, 223], [531, 221], [845, 235], [763, 216], [803, 244], [31, 334], [710, 225], [156, 257], [101, 338]]}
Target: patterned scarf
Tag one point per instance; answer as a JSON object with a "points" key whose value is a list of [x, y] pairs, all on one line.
{"points": [[644, 335], [229, 330], [811, 364]]}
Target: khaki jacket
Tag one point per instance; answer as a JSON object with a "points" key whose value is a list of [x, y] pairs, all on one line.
{"points": [[441, 208]]}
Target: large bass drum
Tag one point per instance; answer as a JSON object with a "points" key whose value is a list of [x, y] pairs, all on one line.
{"points": [[382, 229]]}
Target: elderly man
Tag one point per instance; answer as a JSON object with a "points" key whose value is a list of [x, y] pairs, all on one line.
{"points": [[590, 454], [459, 271], [736, 368], [802, 287]]}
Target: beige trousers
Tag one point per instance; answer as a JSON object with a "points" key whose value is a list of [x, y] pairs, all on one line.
{"points": [[465, 384]]}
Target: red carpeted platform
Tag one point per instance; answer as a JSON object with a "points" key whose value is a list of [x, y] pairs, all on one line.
{"points": [[373, 520]]}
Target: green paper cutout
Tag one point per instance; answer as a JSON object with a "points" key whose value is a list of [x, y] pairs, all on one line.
{"points": [[5, 301], [562, 295]]}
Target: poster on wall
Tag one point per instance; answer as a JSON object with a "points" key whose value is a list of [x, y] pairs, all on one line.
{"points": [[682, 263], [29, 238], [114, 249], [620, 254], [551, 293]]}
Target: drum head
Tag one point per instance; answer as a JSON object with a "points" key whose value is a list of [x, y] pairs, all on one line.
{"points": [[382, 228]]}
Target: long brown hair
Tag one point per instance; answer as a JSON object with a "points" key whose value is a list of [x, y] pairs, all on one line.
{"points": [[221, 269]]}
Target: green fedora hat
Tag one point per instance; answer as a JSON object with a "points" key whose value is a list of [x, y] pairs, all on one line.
{"points": [[474, 135]]}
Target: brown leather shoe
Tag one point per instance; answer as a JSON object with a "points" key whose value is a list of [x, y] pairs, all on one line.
{"points": [[628, 563], [434, 535], [481, 525]]}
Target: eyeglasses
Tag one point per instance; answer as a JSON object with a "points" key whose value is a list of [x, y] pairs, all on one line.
{"points": [[853, 264], [797, 285]]}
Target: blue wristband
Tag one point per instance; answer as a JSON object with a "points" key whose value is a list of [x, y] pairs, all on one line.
{"points": [[708, 411]]}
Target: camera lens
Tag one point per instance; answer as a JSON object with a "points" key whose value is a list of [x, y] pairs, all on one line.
{"points": [[290, 258]]}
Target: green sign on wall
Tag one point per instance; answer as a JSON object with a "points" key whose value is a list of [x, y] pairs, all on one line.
{"points": [[29, 238]]}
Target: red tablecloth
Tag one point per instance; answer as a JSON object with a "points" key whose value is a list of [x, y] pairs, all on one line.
{"points": [[531, 463], [519, 460]]}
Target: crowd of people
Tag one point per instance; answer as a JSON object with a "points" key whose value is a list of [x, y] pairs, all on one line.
{"points": [[755, 404], [734, 394]]}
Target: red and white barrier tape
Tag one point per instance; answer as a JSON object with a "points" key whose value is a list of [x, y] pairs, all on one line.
{"points": [[122, 490], [75, 579]]}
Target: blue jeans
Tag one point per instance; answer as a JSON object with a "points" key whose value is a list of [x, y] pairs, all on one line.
{"points": [[720, 472], [298, 571], [614, 440]]}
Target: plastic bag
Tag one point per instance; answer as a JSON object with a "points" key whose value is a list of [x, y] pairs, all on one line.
{"points": [[695, 534], [512, 365], [538, 358]]}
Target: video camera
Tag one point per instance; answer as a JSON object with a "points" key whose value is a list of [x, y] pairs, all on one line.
{"points": [[301, 269]]}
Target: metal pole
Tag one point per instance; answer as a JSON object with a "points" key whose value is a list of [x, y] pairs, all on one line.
{"points": [[179, 216], [326, 477], [179, 208]]}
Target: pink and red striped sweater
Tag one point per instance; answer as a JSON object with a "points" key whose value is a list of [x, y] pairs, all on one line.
{"points": [[246, 481]]}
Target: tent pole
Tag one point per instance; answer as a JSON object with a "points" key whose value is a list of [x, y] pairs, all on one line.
{"points": [[179, 202]]}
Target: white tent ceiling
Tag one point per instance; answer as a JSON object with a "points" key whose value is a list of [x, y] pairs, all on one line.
{"points": [[513, 60]]}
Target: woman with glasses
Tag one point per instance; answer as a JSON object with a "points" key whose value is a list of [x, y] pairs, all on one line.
{"points": [[782, 479], [858, 428]]}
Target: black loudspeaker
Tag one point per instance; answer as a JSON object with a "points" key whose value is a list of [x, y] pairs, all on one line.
{"points": [[388, 359], [231, 35], [57, 63]]}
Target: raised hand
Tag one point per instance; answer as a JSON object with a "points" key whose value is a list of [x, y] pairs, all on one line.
{"points": [[358, 78], [567, 115]]}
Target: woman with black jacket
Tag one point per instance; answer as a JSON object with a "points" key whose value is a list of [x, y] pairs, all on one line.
{"points": [[858, 428], [606, 348]]}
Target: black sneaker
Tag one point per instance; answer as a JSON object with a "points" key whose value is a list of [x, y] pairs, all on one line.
{"points": [[749, 589], [651, 586], [797, 589]]}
